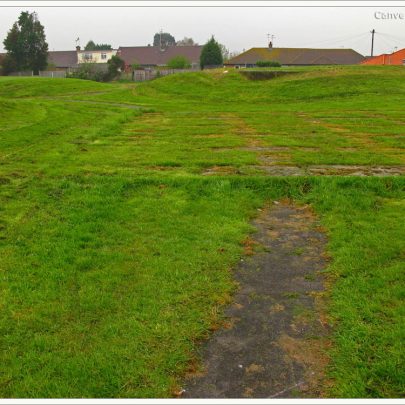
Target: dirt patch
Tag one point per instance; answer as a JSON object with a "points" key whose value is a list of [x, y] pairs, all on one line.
{"points": [[209, 136], [220, 170], [345, 170], [275, 347], [267, 148], [332, 170], [280, 170]]}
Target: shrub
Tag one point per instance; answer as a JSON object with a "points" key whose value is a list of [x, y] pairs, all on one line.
{"points": [[268, 63], [179, 62], [99, 72], [90, 71], [115, 66]]}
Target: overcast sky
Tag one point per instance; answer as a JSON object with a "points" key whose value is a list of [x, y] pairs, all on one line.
{"points": [[237, 28]]}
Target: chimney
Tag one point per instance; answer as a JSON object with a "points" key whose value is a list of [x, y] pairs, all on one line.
{"points": [[78, 48]]}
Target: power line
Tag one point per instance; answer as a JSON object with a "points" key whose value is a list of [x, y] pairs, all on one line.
{"points": [[392, 36], [389, 44], [344, 38]]}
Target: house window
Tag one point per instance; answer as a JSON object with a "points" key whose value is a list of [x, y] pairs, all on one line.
{"points": [[88, 56], [103, 56]]}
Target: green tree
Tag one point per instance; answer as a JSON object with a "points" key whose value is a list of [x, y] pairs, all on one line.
{"points": [[26, 44], [2, 57], [211, 54], [186, 42], [92, 46], [179, 62], [163, 39]]}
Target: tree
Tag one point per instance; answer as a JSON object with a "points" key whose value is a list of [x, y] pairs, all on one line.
{"points": [[26, 44], [115, 66], [179, 62], [224, 52], [211, 54], [186, 42], [91, 46], [163, 39], [7, 65], [1, 65]]}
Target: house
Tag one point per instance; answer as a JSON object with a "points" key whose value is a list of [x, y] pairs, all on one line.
{"points": [[64, 60], [395, 58], [150, 56], [98, 56], [296, 57]]}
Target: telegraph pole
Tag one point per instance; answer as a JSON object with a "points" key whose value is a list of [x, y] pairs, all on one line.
{"points": [[372, 41]]}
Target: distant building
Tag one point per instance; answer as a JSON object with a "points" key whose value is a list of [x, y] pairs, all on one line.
{"points": [[296, 57], [151, 56], [62, 60], [395, 58], [98, 56]]}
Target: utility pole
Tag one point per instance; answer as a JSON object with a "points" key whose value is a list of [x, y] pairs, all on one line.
{"points": [[372, 41]]}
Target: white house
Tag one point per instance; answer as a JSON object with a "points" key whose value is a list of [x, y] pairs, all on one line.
{"points": [[99, 56]]}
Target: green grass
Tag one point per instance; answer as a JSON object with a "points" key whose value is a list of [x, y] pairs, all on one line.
{"points": [[117, 252]]}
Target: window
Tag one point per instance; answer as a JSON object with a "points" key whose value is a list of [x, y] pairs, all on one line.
{"points": [[88, 56], [103, 56]]}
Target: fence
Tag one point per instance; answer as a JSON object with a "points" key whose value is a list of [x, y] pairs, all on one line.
{"points": [[136, 75], [144, 75], [22, 74], [45, 73], [55, 73]]}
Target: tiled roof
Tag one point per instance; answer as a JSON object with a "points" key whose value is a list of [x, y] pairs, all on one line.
{"points": [[62, 59], [153, 55], [298, 56]]}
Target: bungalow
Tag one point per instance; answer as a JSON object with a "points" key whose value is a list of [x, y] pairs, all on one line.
{"points": [[296, 57], [151, 56], [395, 58], [62, 60]]}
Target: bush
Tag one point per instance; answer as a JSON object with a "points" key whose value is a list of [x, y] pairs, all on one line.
{"points": [[115, 66], [99, 72], [268, 63], [179, 62], [90, 71]]}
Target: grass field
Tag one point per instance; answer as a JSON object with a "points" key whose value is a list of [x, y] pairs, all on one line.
{"points": [[123, 209]]}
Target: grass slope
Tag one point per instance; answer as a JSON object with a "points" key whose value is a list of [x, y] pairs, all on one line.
{"points": [[117, 253]]}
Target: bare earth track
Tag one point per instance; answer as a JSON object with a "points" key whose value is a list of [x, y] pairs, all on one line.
{"points": [[273, 345]]}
